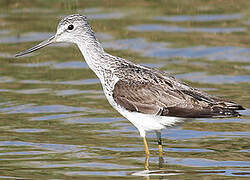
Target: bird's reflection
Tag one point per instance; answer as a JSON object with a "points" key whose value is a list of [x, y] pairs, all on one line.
{"points": [[160, 162], [163, 172]]}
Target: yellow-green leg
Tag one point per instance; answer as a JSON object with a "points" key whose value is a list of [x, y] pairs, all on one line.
{"points": [[147, 153], [160, 150], [159, 140], [158, 134]]}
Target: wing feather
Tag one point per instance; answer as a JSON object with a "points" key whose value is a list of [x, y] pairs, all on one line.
{"points": [[166, 100]]}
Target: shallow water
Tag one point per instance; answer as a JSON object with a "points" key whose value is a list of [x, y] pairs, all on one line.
{"points": [[55, 122], [167, 28]]}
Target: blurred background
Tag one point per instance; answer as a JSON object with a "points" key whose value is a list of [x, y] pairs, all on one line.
{"points": [[55, 122]]}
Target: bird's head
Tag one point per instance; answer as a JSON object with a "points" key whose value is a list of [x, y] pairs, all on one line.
{"points": [[72, 29]]}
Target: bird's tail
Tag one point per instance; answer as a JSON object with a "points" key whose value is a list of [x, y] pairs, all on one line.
{"points": [[226, 109]]}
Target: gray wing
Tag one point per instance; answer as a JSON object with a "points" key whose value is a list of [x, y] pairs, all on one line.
{"points": [[164, 99]]}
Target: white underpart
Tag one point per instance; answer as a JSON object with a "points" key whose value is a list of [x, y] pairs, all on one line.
{"points": [[148, 122]]}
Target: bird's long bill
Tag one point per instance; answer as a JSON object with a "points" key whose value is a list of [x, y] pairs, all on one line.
{"points": [[39, 46]]}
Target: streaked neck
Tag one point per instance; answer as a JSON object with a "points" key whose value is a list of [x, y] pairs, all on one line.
{"points": [[93, 54]]}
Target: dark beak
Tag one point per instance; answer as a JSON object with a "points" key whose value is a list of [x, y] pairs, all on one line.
{"points": [[39, 46]]}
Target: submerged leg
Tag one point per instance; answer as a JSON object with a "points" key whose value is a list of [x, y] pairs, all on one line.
{"points": [[147, 153], [158, 134], [161, 160]]}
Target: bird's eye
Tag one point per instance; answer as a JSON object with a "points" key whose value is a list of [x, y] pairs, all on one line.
{"points": [[70, 27]]}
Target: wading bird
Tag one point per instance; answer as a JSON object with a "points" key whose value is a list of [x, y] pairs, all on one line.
{"points": [[149, 98]]}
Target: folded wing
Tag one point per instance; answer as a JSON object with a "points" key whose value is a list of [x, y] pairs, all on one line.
{"points": [[164, 99]]}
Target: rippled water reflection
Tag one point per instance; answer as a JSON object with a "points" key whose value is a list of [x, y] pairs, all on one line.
{"points": [[169, 28], [164, 50], [200, 18], [55, 122]]}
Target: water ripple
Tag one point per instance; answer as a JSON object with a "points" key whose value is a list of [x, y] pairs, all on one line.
{"points": [[29, 130], [200, 18], [202, 77], [181, 134], [32, 109], [201, 162], [163, 50], [51, 147], [171, 28], [74, 82], [29, 37], [56, 117]]}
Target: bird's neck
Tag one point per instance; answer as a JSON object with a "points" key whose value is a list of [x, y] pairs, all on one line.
{"points": [[94, 55]]}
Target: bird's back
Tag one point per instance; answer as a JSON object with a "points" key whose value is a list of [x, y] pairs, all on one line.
{"points": [[150, 91]]}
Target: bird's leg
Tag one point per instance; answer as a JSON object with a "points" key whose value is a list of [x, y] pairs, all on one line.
{"points": [[161, 160], [146, 165], [147, 153], [146, 146], [158, 134]]}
